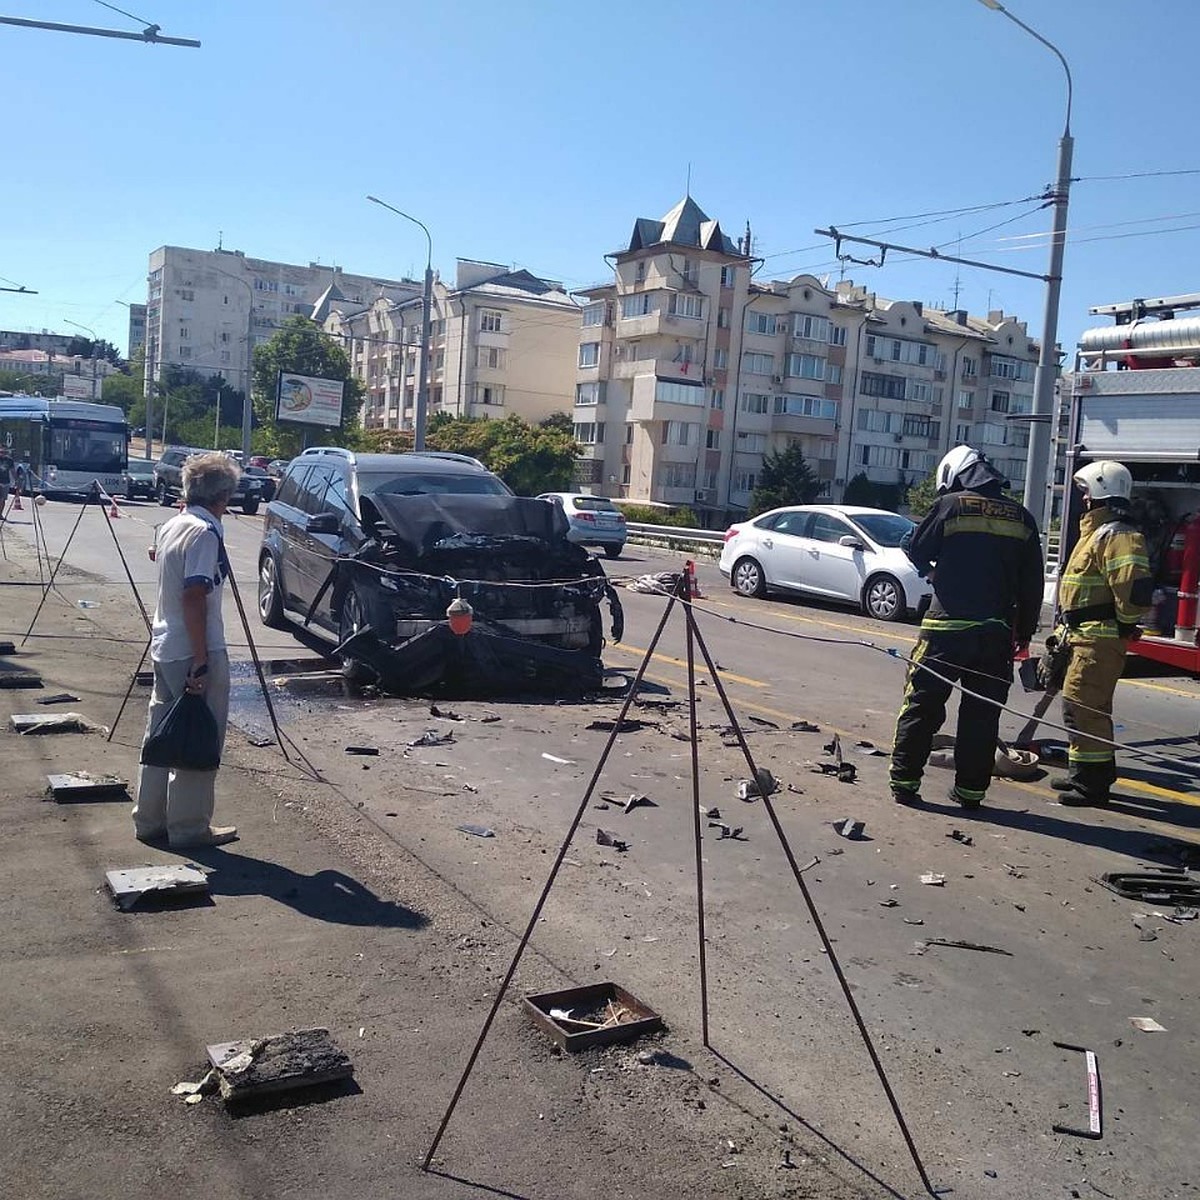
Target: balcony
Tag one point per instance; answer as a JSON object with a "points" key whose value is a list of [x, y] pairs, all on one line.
{"points": [[649, 404], [665, 368], [797, 423], [660, 322]]}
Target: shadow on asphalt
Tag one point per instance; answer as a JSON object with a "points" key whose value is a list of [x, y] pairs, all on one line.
{"points": [[293, 1098], [326, 896], [807, 1126], [486, 1189]]}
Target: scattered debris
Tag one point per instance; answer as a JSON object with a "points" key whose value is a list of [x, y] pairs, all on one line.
{"points": [[132, 885], [849, 828], [763, 784], [144, 678], [12, 676], [954, 943], [446, 715], [1165, 887], [890, 902], [660, 584], [80, 785], [805, 727], [58, 698], [7, 647], [914, 920], [89, 603], [872, 750], [1147, 1025], [193, 1093], [604, 838], [933, 879], [636, 801], [957, 835], [69, 722], [1015, 871], [713, 814], [1187, 854], [599, 1014], [1094, 1129], [762, 721], [625, 725], [489, 719], [726, 831], [260, 739], [481, 831], [370, 751], [431, 737], [280, 1063], [562, 762], [791, 787]]}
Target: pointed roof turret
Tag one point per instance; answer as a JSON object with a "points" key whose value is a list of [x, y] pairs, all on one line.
{"points": [[685, 225], [326, 300]]}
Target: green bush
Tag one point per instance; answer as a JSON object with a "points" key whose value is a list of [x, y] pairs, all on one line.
{"points": [[644, 514]]}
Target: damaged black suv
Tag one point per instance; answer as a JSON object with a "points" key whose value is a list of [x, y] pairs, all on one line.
{"points": [[372, 549]]}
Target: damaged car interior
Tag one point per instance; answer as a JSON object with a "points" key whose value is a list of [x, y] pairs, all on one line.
{"points": [[433, 577]]}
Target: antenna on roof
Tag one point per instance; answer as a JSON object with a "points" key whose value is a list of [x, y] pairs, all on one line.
{"points": [[958, 272], [688, 188], [220, 239]]}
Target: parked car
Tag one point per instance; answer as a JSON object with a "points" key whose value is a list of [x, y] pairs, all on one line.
{"points": [[593, 520], [277, 466], [259, 460], [138, 479], [168, 481], [369, 549], [835, 551], [267, 484]]}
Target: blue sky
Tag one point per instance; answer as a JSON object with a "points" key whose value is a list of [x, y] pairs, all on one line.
{"points": [[533, 133]]}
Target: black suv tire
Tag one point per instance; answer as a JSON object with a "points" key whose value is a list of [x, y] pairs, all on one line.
{"points": [[270, 597], [164, 496]]}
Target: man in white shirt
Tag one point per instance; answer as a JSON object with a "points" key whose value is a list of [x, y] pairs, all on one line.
{"points": [[187, 648]]}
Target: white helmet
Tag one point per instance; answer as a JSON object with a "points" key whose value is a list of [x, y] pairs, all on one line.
{"points": [[957, 461], [1105, 481]]}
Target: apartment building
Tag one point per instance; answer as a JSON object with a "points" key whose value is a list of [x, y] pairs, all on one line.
{"points": [[502, 342], [137, 329], [82, 377], [208, 309]]}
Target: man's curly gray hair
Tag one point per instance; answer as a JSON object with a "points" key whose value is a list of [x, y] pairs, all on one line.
{"points": [[210, 479]]}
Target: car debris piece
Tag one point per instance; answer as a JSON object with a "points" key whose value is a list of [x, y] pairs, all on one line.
{"points": [[39, 723], [562, 762], [81, 785], [850, 828], [13, 677], [7, 647], [636, 801], [444, 713], [933, 879], [144, 678], [194, 1093], [607, 724], [889, 903], [604, 838], [1147, 1025], [713, 814], [283, 1062], [370, 751], [914, 920], [598, 1014], [1165, 887], [761, 721], [431, 737], [954, 943], [726, 831], [1015, 871], [58, 698], [957, 835], [132, 886], [481, 831], [660, 584], [804, 727], [764, 784], [1095, 1124]]}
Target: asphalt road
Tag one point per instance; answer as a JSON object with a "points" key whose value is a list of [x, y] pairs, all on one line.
{"points": [[966, 1034]]}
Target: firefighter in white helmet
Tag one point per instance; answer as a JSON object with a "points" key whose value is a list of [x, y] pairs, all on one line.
{"points": [[986, 562], [1105, 590]]}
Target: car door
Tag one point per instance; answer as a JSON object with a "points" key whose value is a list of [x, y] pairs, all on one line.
{"points": [[782, 548], [312, 551], [832, 569], [287, 515], [325, 546]]}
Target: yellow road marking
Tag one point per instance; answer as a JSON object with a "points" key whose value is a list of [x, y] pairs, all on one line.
{"points": [[859, 629], [639, 652], [1162, 687]]}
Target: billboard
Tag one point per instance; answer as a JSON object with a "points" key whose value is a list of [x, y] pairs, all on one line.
{"points": [[303, 400], [79, 387]]}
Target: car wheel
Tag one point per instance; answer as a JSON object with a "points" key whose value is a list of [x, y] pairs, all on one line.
{"points": [[748, 579], [883, 598], [352, 618], [250, 507], [270, 598], [613, 551], [163, 496]]}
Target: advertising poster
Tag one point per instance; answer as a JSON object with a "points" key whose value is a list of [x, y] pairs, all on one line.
{"points": [[303, 400]]}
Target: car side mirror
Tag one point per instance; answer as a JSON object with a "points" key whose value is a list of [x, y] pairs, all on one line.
{"points": [[849, 540], [323, 522]]}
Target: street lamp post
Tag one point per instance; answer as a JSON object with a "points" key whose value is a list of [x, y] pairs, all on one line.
{"points": [[95, 350], [419, 417], [1037, 490]]}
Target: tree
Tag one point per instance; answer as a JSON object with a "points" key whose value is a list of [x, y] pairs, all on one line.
{"points": [[868, 493], [529, 458], [300, 345], [920, 497], [31, 383], [85, 347], [785, 479]]}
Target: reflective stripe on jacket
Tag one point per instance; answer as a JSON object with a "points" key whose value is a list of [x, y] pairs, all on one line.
{"points": [[1109, 565]]}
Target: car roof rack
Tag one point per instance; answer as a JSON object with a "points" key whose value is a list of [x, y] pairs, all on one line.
{"points": [[335, 451], [449, 456]]}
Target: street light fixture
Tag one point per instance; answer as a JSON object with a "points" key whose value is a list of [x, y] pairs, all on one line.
{"points": [[95, 349], [1037, 492], [426, 305]]}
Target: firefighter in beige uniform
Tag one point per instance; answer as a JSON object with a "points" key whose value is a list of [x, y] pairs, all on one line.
{"points": [[1105, 590]]}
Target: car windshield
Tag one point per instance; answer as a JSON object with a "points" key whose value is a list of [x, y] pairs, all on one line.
{"points": [[417, 483], [87, 446], [143, 465], [595, 504], [884, 529], [254, 471]]}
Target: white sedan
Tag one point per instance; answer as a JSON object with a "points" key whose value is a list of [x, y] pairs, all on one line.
{"points": [[834, 551]]}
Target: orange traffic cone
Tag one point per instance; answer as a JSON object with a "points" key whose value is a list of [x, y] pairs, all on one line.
{"points": [[17, 505], [113, 511]]}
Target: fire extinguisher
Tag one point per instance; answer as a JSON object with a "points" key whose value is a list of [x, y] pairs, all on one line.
{"points": [[1189, 583], [1173, 558]]}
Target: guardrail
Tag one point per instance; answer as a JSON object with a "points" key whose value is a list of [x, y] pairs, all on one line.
{"points": [[707, 542]]}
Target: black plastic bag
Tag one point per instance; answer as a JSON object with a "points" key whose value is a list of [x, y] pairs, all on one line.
{"points": [[186, 738]]}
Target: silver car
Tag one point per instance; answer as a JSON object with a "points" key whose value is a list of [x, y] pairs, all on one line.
{"points": [[594, 520]]}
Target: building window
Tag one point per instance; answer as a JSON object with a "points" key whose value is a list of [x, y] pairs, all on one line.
{"points": [[837, 335], [636, 306], [745, 481], [991, 435], [626, 474], [750, 443], [712, 439], [758, 364], [970, 367], [682, 305], [728, 276], [490, 357], [889, 387], [833, 373], [962, 433], [724, 316], [186, 294], [922, 427], [679, 475], [917, 390], [717, 398], [641, 271], [874, 420], [815, 329], [589, 433], [589, 354], [185, 352], [918, 354], [720, 359], [1000, 401], [225, 338], [593, 314], [755, 402], [805, 366], [763, 323], [490, 320], [966, 399], [1011, 368], [628, 437], [587, 394], [439, 360], [689, 272], [809, 406], [224, 356], [489, 393], [668, 391], [183, 332], [680, 433]]}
